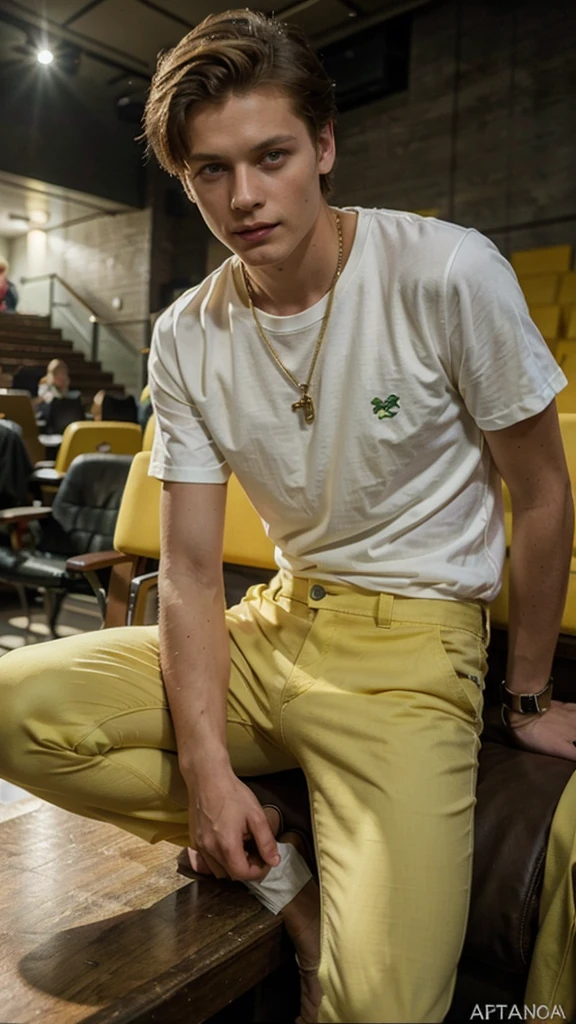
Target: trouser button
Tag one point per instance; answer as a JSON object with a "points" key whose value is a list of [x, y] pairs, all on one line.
{"points": [[317, 592]]}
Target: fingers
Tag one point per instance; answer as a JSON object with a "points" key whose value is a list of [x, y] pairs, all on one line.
{"points": [[217, 868], [198, 862], [265, 842]]}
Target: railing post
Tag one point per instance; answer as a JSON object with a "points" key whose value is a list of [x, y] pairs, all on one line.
{"points": [[95, 338], [51, 296]]}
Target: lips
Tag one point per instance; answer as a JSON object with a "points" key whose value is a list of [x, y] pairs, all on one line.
{"points": [[256, 232]]}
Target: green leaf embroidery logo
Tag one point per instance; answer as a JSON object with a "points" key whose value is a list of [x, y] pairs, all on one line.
{"points": [[386, 409]]}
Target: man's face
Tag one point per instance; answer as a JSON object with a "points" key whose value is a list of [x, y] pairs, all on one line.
{"points": [[253, 165]]}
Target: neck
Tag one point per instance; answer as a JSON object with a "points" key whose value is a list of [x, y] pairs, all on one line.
{"points": [[306, 275]]}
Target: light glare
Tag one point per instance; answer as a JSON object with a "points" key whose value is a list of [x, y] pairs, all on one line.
{"points": [[45, 56]]}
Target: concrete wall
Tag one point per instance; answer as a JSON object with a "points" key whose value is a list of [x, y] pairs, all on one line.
{"points": [[486, 134], [101, 259], [4, 248]]}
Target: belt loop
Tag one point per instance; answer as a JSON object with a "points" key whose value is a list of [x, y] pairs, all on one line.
{"points": [[385, 606]]}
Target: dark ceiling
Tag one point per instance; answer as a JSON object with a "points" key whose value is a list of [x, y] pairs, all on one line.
{"points": [[111, 41]]}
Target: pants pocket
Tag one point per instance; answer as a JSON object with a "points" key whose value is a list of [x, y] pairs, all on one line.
{"points": [[462, 657]]}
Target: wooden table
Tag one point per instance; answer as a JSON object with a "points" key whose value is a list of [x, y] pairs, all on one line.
{"points": [[96, 926]]}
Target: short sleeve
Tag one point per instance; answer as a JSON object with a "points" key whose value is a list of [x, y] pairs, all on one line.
{"points": [[501, 365], [183, 451]]}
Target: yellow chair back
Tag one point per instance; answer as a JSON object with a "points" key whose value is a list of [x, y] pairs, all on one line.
{"points": [[547, 320], [568, 431], [106, 436], [571, 326], [566, 399], [567, 296], [540, 289], [138, 524], [245, 540], [18, 407], [149, 430], [548, 259]]}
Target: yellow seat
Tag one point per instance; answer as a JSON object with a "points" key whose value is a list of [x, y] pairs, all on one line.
{"points": [[567, 293], [565, 351], [138, 534], [540, 289], [569, 616], [571, 329], [18, 408], [545, 260], [107, 436], [547, 320], [245, 540], [148, 439], [566, 399]]}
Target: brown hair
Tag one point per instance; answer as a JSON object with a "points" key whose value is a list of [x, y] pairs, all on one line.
{"points": [[234, 52]]}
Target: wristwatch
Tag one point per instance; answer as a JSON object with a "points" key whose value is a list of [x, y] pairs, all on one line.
{"points": [[527, 703]]}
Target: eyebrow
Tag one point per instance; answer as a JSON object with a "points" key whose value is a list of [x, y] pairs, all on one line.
{"points": [[274, 140]]}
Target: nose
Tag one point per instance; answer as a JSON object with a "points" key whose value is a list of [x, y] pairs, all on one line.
{"points": [[246, 192]]}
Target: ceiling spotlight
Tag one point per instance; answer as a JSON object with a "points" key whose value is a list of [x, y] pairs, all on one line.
{"points": [[39, 217], [44, 56]]}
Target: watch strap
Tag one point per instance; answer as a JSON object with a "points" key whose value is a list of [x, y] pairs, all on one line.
{"points": [[527, 703]]}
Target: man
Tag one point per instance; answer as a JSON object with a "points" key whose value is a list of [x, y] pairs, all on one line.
{"points": [[366, 374]]}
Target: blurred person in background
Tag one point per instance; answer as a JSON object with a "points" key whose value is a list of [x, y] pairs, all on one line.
{"points": [[4, 285], [56, 383]]}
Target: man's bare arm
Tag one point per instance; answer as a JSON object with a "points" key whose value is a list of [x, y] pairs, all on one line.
{"points": [[194, 645], [530, 458], [195, 660]]}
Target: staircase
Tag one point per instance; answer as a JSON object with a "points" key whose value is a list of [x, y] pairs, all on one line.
{"points": [[32, 341]]}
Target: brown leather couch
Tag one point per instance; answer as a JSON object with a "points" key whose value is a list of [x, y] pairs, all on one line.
{"points": [[517, 795]]}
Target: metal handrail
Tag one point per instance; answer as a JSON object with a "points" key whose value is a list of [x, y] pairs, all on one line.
{"points": [[56, 277], [95, 320]]}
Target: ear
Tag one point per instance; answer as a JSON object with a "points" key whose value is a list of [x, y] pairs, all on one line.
{"points": [[326, 149]]}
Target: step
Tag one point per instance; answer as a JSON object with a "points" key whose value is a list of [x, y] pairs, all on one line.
{"points": [[73, 360], [46, 344], [24, 319], [16, 345], [48, 337], [36, 359]]}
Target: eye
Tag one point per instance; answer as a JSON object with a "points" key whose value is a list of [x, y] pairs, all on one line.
{"points": [[275, 156], [210, 170]]}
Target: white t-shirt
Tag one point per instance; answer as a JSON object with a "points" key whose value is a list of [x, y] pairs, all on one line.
{"points": [[398, 494]]}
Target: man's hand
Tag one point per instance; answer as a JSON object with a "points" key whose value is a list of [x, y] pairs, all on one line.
{"points": [[231, 831], [552, 733]]}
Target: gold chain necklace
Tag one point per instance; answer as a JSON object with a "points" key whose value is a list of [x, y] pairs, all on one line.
{"points": [[305, 402]]}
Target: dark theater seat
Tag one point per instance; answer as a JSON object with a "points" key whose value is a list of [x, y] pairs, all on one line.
{"points": [[82, 519]]}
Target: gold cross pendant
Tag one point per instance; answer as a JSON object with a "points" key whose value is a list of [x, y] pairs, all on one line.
{"points": [[306, 404]]}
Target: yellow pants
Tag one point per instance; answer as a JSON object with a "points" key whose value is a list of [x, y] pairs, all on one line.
{"points": [[378, 698]]}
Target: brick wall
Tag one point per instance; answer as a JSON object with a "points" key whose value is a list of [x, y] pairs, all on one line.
{"points": [[486, 134]]}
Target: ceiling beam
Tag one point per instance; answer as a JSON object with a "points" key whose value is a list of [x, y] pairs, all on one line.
{"points": [[29, 21], [166, 14], [83, 10]]}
